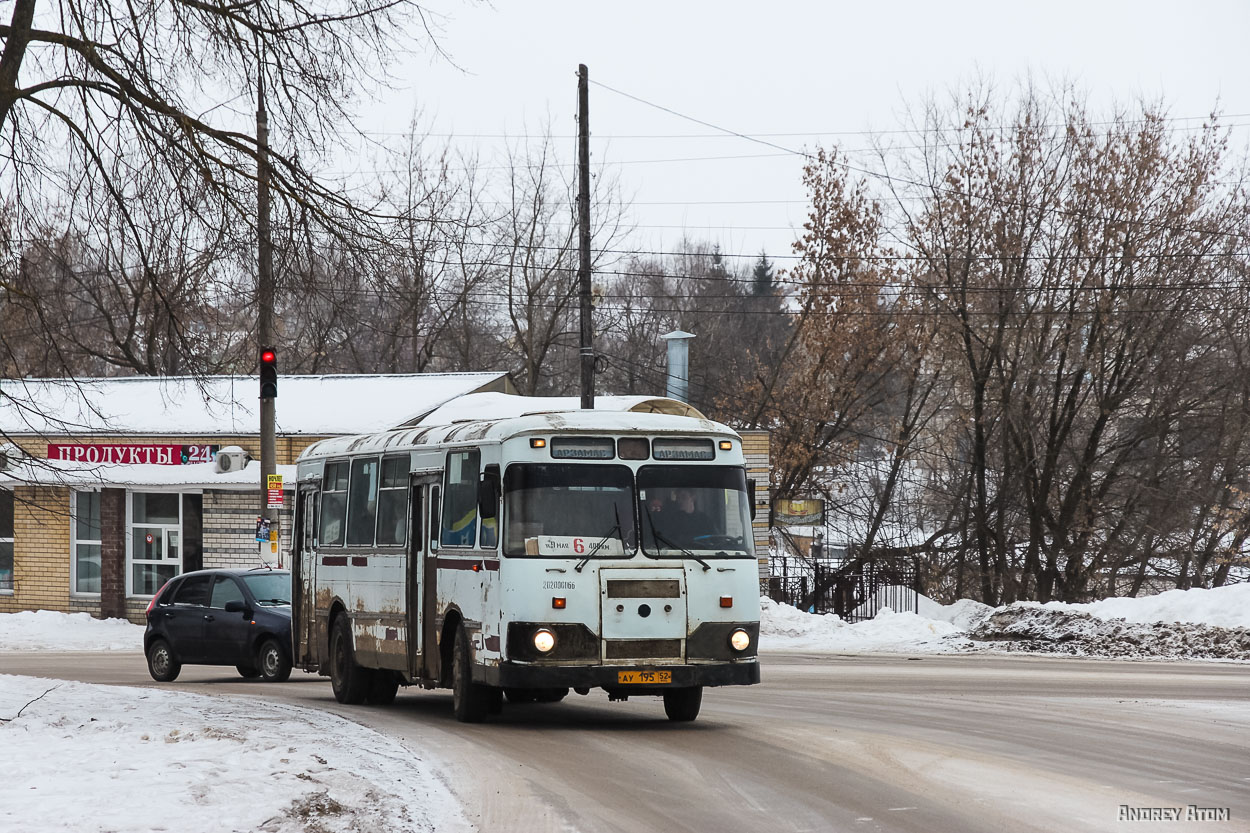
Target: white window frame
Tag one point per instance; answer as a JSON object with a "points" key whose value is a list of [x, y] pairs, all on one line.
{"points": [[8, 591], [74, 541], [130, 537]]}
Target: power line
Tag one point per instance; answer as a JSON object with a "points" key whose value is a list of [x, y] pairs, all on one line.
{"points": [[889, 178]]}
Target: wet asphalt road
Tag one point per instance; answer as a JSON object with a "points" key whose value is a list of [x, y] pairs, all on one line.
{"points": [[932, 744]]}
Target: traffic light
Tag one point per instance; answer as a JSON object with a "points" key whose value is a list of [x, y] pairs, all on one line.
{"points": [[268, 373]]}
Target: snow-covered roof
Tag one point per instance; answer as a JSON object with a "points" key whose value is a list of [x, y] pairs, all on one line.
{"points": [[211, 405], [38, 472], [494, 406], [506, 426]]}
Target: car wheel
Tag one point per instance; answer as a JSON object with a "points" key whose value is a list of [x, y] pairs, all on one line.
{"points": [[470, 700], [273, 663], [247, 672], [348, 679], [382, 688], [161, 663], [682, 704]]}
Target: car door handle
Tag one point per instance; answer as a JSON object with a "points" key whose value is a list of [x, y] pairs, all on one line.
{"points": [[208, 618]]}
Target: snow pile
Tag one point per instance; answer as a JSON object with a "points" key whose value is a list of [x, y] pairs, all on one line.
{"points": [[1195, 624], [1042, 628], [964, 613], [128, 760], [784, 626], [47, 630], [1224, 607]]}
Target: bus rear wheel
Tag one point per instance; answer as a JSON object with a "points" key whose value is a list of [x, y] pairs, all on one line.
{"points": [[682, 704], [470, 701], [349, 681]]}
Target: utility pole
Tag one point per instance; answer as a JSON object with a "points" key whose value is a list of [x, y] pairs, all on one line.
{"points": [[583, 234], [264, 292]]}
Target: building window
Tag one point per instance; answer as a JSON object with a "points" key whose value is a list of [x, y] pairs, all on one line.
{"points": [[155, 540], [86, 545], [6, 540]]}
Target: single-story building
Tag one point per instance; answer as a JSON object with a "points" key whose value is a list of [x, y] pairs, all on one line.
{"points": [[109, 487]]}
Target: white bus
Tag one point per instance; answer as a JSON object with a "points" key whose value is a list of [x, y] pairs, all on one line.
{"points": [[526, 556]]}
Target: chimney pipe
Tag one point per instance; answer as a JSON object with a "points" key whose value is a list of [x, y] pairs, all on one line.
{"points": [[678, 365]]}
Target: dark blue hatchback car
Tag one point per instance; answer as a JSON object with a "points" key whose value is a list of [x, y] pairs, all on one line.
{"points": [[221, 617]]}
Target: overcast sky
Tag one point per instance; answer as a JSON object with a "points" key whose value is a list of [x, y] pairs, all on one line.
{"points": [[817, 72]]}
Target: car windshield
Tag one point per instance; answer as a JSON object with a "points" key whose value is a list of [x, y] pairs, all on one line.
{"points": [[702, 510], [569, 510], [269, 588]]}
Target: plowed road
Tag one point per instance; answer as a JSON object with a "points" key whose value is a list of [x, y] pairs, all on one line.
{"points": [[934, 744]]}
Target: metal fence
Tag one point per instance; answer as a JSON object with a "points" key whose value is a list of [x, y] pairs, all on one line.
{"points": [[853, 594]]}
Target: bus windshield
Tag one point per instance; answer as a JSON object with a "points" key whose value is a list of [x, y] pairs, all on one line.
{"points": [[703, 510], [568, 510]]}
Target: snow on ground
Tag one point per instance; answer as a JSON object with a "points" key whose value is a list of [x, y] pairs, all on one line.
{"points": [[47, 630], [109, 758], [120, 759], [1178, 624], [785, 627]]}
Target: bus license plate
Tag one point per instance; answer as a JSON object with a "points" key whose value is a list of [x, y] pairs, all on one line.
{"points": [[644, 677]]}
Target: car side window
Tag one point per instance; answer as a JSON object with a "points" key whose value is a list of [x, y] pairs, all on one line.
{"points": [[193, 591], [167, 595], [226, 589]]}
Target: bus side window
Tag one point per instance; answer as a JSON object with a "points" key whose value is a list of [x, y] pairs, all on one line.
{"points": [[490, 526], [460, 500], [362, 502], [393, 501], [333, 505]]}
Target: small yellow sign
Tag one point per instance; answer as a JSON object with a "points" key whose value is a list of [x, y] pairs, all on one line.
{"points": [[273, 481]]}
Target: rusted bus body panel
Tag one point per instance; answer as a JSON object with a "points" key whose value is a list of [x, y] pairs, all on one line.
{"points": [[466, 593]]}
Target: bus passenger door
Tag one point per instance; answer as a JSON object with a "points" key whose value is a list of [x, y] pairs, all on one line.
{"points": [[417, 572], [429, 598], [304, 582]]}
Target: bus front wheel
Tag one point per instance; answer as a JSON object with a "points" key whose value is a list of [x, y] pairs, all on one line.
{"points": [[470, 701], [682, 704]]}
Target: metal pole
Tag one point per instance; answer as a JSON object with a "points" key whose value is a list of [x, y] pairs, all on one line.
{"points": [[583, 235], [264, 290]]}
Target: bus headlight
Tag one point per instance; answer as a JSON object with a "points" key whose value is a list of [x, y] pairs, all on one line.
{"points": [[739, 640], [544, 640]]}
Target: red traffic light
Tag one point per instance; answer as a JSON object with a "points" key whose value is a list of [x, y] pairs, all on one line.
{"points": [[268, 373]]}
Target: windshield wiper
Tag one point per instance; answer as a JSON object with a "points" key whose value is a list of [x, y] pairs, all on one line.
{"points": [[617, 529], [655, 533], [273, 601]]}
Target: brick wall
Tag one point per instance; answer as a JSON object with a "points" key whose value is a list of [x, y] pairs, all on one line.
{"points": [[230, 529], [40, 550], [755, 452], [112, 553]]}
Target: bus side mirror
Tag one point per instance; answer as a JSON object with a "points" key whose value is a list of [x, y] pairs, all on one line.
{"points": [[751, 497], [488, 495]]}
